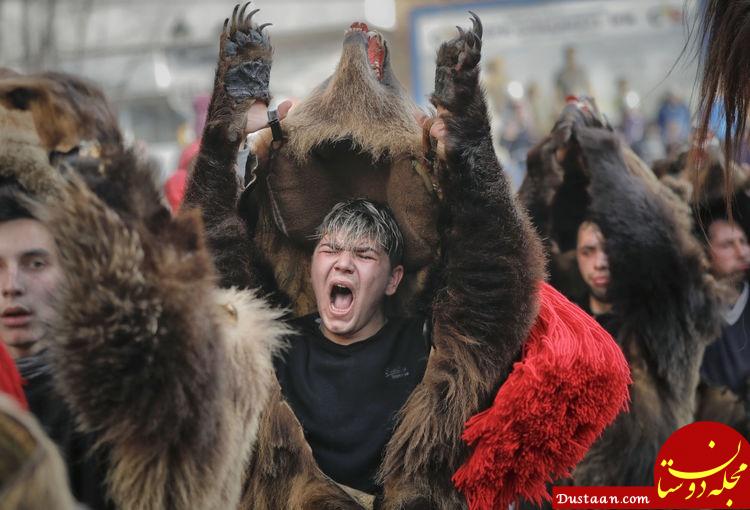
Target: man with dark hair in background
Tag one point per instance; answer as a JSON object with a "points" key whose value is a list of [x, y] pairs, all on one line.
{"points": [[29, 276], [726, 362]]}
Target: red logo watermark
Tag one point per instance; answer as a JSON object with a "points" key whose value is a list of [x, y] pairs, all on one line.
{"points": [[702, 465]]}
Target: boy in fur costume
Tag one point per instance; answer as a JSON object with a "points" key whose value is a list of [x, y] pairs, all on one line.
{"points": [[470, 272], [29, 278], [646, 278]]}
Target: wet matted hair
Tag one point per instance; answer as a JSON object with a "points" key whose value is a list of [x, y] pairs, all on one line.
{"points": [[352, 221]]}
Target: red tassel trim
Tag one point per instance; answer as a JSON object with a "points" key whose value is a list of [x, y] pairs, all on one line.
{"points": [[572, 382], [10, 380]]}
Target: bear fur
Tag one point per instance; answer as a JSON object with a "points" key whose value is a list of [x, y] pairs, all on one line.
{"points": [[668, 305]]}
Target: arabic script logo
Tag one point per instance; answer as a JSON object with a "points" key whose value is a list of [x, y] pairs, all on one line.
{"points": [[704, 464]]}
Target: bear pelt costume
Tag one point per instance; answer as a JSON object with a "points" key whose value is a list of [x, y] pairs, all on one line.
{"points": [[473, 266], [71, 115], [713, 190], [668, 306], [32, 473], [173, 372], [168, 371]]}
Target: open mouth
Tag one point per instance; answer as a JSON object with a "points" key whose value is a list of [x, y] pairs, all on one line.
{"points": [[342, 299], [375, 48]]}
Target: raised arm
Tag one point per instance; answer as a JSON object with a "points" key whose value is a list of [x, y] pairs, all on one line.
{"points": [[548, 177], [491, 259], [658, 268], [667, 303], [484, 291], [242, 75]]}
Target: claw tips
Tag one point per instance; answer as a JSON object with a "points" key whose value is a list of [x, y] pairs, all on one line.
{"points": [[241, 16], [477, 24]]}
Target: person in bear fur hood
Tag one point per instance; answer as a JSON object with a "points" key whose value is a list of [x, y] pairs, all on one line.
{"points": [[172, 373], [663, 306], [149, 356], [472, 272]]}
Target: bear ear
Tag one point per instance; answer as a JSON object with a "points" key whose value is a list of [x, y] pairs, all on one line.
{"points": [[20, 98]]}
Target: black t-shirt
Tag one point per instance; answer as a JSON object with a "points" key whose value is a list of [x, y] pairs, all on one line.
{"points": [[347, 396], [609, 320]]}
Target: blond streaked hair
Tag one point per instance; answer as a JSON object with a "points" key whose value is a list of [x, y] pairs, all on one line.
{"points": [[351, 222]]}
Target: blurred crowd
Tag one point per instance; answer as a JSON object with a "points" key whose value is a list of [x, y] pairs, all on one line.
{"points": [[524, 115]]}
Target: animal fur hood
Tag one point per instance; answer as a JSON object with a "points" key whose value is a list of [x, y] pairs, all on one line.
{"points": [[22, 159], [167, 371], [667, 303]]}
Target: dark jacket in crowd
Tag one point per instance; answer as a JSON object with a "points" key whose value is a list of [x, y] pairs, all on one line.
{"points": [[86, 468]]}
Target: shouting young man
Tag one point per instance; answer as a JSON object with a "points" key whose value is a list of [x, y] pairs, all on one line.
{"points": [[415, 297]]}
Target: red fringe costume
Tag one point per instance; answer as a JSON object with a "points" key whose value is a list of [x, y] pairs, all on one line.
{"points": [[572, 382], [10, 380]]}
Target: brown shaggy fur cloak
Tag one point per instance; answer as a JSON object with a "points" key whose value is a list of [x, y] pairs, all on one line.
{"points": [[668, 305], [473, 260], [168, 371]]}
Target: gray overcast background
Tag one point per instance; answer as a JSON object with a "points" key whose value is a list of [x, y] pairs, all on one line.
{"points": [[153, 57]]}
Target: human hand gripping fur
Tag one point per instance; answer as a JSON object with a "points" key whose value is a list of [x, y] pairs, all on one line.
{"points": [[256, 124]]}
